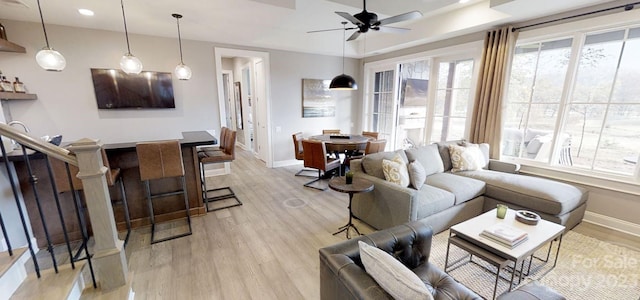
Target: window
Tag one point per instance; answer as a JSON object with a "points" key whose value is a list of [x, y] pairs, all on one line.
{"points": [[533, 100], [583, 117], [604, 109], [453, 100], [412, 107], [413, 103], [383, 104]]}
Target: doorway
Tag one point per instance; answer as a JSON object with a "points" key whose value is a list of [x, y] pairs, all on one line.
{"points": [[251, 109]]}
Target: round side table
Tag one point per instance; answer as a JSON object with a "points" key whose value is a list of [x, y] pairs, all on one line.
{"points": [[359, 185]]}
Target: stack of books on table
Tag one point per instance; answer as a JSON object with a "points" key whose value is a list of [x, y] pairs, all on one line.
{"points": [[506, 235]]}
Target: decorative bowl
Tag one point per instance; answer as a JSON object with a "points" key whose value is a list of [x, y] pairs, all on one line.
{"points": [[527, 217]]}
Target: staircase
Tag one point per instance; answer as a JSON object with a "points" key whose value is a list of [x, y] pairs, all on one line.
{"points": [[60, 281], [16, 283]]}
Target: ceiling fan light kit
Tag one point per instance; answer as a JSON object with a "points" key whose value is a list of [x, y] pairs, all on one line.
{"points": [[129, 63], [47, 58], [343, 81], [365, 21]]}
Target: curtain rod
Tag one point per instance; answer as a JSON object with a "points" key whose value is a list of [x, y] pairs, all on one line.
{"points": [[626, 7]]}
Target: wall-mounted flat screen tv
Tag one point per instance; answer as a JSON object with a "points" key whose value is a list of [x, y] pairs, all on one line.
{"points": [[117, 89]]}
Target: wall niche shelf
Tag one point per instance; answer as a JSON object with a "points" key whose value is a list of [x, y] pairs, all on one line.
{"points": [[7, 46], [17, 96]]}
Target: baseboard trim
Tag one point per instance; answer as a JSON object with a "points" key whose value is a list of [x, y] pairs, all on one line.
{"points": [[286, 163], [224, 170], [216, 172], [612, 223]]}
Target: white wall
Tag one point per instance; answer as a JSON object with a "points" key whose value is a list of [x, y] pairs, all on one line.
{"points": [[10, 213], [287, 71]]}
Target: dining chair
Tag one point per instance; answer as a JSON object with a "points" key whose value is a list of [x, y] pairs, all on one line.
{"points": [[65, 180], [159, 161], [315, 157], [372, 134], [372, 147], [299, 152], [375, 146], [228, 154], [330, 131]]}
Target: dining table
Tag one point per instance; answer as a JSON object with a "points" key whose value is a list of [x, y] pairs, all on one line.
{"points": [[343, 143]]}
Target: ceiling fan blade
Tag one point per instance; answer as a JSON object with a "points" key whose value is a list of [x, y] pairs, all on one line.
{"points": [[399, 18], [392, 29], [334, 29], [349, 17], [354, 36]]}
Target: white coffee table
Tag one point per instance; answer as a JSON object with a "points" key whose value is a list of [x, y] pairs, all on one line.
{"points": [[466, 235]]}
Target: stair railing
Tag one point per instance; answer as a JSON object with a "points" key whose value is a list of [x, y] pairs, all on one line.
{"points": [[108, 253]]}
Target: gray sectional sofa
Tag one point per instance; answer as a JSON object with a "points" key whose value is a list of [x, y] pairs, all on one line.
{"points": [[448, 198]]}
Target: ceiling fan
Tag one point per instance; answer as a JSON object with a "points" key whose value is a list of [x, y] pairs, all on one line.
{"points": [[365, 21]]}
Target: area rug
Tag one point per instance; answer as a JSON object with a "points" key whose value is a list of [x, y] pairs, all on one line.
{"points": [[587, 268]]}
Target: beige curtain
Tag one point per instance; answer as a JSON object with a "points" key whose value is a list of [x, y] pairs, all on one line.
{"points": [[486, 120]]}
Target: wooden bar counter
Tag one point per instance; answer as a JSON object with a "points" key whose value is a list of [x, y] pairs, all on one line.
{"points": [[123, 156]]}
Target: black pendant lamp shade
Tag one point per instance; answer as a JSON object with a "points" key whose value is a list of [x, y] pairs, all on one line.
{"points": [[343, 81]]}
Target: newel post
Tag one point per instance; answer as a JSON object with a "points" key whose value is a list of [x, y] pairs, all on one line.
{"points": [[109, 255]]}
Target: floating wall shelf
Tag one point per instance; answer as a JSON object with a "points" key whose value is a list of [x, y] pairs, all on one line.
{"points": [[7, 46], [17, 96]]}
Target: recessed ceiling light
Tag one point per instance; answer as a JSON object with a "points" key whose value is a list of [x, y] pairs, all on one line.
{"points": [[85, 12], [464, 1]]}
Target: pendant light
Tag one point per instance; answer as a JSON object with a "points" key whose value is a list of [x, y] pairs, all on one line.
{"points": [[182, 71], [343, 81], [47, 58], [129, 63]]}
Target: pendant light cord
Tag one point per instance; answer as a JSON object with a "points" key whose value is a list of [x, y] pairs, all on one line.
{"points": [[46, 39], [344, 26], [126, 33], [179, 37]]}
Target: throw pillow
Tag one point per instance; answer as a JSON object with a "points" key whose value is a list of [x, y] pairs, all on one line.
{"points": [[428, 156], [395, 171], [372, 163], [468, 158], [391, 274], [417, 174]]}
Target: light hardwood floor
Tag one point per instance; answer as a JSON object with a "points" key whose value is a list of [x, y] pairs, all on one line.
{"points": [[265, 249]]}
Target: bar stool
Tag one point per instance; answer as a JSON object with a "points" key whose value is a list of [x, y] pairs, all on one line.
{"points": [[221, 145], [160, 160], [113, 176], [228, 154]]}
